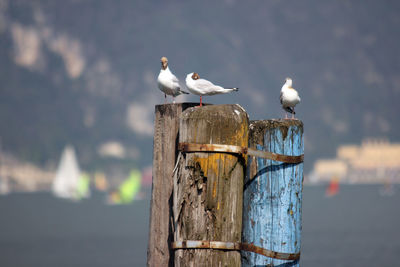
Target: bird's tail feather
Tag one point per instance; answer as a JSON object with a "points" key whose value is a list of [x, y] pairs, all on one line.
{"points": [[221, 90], [234, 89], [184, 92], [290, 110]]}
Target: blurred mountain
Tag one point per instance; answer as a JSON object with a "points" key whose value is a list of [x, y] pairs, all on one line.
{"points": [[83, 72]]}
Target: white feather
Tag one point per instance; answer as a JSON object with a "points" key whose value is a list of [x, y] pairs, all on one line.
{"points": [[203, 87], [289, 96], [168, 83]]}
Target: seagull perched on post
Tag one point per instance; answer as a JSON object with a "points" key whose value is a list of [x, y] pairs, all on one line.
{"points": [[202, 87], [167, 82], [289, 97]]}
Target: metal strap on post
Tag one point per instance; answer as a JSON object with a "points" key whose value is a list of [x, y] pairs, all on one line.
{"points": [[205, 244], [192, 147]]}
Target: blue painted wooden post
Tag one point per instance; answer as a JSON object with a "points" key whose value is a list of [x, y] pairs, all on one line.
{"points": [[273, 193]]}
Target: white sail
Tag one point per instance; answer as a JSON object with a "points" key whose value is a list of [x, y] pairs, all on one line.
{"points": [[66, 182]]}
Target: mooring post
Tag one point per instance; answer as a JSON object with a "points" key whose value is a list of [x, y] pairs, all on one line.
{"points": [[272, 197], [208, 187], [166, 128]]}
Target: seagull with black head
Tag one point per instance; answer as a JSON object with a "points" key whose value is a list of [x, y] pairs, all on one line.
{"points": [[203, 87]]}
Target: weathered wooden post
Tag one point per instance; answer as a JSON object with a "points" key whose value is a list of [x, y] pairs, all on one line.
{"points": [[208, 186], [273, 195], [166, 127]]}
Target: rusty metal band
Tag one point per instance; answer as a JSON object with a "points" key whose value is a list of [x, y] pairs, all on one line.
{"points": [[191, 147], [205, 244]]}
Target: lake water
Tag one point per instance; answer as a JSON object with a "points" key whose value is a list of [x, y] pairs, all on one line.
{"points": [[357, 227]]}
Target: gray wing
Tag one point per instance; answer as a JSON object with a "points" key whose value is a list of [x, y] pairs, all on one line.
{"points": [[204, 84], [281, 97], [175, 81]]}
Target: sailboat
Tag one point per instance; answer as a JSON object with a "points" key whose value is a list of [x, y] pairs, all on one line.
{"points": [[69, 183], [128, 190], [333, 187]]}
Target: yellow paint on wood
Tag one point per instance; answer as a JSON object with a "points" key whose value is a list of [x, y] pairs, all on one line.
{"points": [[214, 189], [209, 163], [241, 135]]}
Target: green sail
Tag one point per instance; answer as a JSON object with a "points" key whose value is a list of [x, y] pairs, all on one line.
{"points": [[130, 187], [83, 188]]}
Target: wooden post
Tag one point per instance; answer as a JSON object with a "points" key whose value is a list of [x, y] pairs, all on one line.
{"points": [[166, 126], [208, 186], [273, 193]]}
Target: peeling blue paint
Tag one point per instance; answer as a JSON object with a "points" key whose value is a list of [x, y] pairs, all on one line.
{"points": [[275, 197]]}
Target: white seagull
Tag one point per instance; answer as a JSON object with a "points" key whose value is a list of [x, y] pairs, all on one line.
{"points": [[289, 97], [202, 87], [167, 82]]}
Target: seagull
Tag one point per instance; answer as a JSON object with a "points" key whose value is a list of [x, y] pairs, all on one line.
{"points": [[167, 82], [202, 87], [289, 97]]}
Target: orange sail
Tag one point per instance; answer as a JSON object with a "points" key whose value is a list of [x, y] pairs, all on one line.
{"points": [[333, 187]]}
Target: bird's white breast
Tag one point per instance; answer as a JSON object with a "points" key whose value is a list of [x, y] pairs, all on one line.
{"points": [[290, 97], [166, 82]]}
